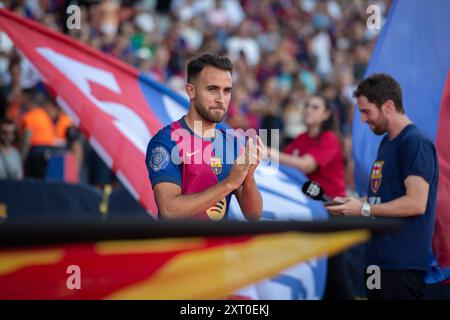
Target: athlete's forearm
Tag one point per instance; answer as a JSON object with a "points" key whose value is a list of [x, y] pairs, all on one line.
{"points": [[188, 205], [250, 199]]}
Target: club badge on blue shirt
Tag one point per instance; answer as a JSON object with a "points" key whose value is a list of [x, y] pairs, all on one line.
{"points": [[216, 165], [376, 176]]}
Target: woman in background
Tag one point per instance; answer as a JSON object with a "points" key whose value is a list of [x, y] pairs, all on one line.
{"points": [[318, 154]]}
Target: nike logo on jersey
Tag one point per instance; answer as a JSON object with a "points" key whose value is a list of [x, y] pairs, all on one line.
{"points": [[190, 154]]}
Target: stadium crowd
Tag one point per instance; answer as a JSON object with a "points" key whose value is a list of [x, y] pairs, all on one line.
{"points": [[283, 52]]}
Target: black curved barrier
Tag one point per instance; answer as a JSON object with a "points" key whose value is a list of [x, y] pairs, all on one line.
{"points": [[37, 200]]}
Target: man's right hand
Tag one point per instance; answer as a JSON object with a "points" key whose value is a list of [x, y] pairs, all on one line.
{"points": [[243, 164]]}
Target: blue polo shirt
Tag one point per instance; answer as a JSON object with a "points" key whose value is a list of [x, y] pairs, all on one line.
{"points": [[409, 153]]}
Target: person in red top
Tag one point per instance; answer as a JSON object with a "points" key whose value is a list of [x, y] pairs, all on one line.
{"points": [[317, 152]]}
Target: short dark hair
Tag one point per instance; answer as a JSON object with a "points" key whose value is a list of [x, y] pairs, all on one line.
{"points": [[195, 66], [380, 87]]}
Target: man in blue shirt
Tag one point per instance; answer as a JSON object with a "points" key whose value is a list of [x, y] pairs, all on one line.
{"points": [[403, 184]]}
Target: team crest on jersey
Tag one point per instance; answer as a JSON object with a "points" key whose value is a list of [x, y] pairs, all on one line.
{"points": [[217, 211], [216, 165], [159, 159], [376, 176]]}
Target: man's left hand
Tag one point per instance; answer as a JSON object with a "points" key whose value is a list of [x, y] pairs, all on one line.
{"points": [[351, 208], [257, 152]]}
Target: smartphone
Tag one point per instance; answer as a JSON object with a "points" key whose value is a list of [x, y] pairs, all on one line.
{"points": [[333, 203]]}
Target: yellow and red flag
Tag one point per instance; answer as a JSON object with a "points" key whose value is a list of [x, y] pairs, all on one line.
{"points": [[166, 268]]}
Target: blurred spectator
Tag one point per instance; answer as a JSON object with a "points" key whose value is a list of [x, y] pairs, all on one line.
{"points": [[186, 9], [45, 131], [11, 91], [321, 48], [239, 113], [10, 159], [293, 114], [6, 47], [318, 151], [362, 56], [192, 34], [159, 68], [245, 42], [270, 108], [218, 16], [109, 11], [270, 39]]}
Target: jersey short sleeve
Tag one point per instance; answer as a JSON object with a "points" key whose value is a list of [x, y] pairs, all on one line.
{"points": [[418, 157], [161, 161]]}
